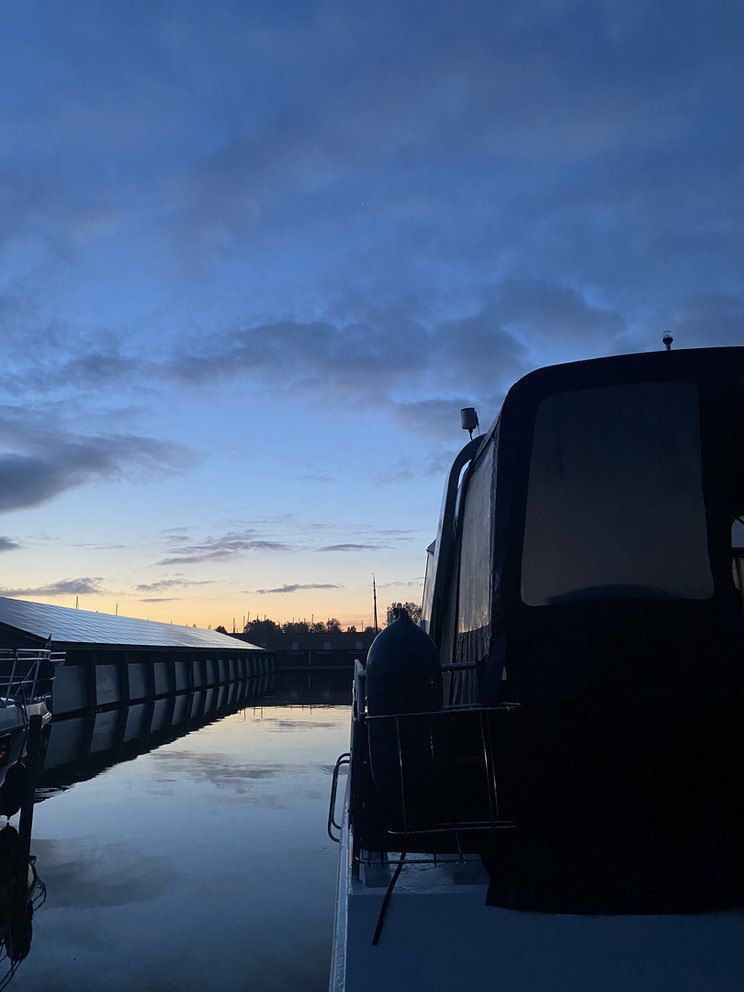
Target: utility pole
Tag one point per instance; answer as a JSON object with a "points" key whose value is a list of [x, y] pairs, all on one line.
{"points": [[374, 600]]}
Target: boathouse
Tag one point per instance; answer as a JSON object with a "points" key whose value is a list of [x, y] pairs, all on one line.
{"points": [[113, 660], [336, 650]]}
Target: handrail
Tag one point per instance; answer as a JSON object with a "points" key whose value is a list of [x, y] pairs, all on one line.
{"points": [[343, 759]]}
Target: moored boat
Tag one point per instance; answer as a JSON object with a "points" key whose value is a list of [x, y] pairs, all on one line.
{"points": [[26, 678], [545, 778]]}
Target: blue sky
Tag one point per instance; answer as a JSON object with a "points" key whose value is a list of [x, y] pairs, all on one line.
{"points": [[254, 257]]}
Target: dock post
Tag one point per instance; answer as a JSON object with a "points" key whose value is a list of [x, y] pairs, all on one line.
{"points": [[33, 757]]}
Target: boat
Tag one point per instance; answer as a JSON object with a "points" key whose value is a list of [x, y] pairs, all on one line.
{"points": [[545, 778], [26, 679]]}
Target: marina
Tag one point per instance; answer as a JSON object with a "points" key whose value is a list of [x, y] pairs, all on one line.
{"points": [[542, 783], [277, 712]]}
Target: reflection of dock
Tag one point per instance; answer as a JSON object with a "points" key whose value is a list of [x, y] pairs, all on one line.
{"points": [[312, 687], [95, 683], [85, 742]]}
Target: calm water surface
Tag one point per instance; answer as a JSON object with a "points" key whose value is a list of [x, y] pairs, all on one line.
{"points": [[202, 865]]}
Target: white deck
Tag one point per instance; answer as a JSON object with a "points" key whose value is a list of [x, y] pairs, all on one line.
{"points": [[439, 936]]}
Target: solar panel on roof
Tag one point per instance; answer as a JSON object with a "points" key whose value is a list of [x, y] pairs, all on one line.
{"points": [[84, 627]]}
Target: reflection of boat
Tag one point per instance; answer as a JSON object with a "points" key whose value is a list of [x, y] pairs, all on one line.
{"points": [[21, 892], [547, 794], [26, 678]]}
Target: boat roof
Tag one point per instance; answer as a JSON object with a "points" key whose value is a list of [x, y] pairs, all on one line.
{"points": [[68, 626], [697, 364]]}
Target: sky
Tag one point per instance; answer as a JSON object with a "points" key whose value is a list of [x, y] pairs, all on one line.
{"points": [[255, 256]]}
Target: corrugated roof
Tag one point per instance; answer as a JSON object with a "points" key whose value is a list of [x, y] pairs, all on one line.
{"points": [[83, 627]]}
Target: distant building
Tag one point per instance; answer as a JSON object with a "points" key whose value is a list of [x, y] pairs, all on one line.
{"points": [[324, 650]]}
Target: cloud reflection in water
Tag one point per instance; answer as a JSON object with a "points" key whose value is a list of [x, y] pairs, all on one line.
{"points": [[203, 865]]}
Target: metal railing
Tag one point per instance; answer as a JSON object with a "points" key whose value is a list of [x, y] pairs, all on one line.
{"points": [[26, 673], [426, 781]]}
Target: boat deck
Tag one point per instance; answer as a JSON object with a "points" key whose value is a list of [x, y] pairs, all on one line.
{"points": [[434, 905]]}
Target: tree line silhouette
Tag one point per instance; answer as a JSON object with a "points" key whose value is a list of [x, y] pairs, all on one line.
{"points": [[330, 626]]}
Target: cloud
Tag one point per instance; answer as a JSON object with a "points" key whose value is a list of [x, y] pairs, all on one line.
{"points": [[179, 582], [543, 124], [703, 315], [371, 346], [434, 417], [100, 547], [229, 546], [354, 547], [401, 360], [298, 588], [125, 874], [416, 583], [64, 587], [477, 351], [98, 368], [219, 769], [552, 310], [44, 459], [586, 163], [7, 544]]}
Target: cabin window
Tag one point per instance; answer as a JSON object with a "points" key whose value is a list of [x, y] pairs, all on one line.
{"points": [[475, 586], [615, 506], [427, 599]]}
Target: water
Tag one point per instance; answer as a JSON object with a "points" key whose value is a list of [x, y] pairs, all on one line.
{"points": [[202, 865]]}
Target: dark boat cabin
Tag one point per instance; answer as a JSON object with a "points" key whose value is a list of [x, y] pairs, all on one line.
{"points": [[584, 596], [590, 544]]}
